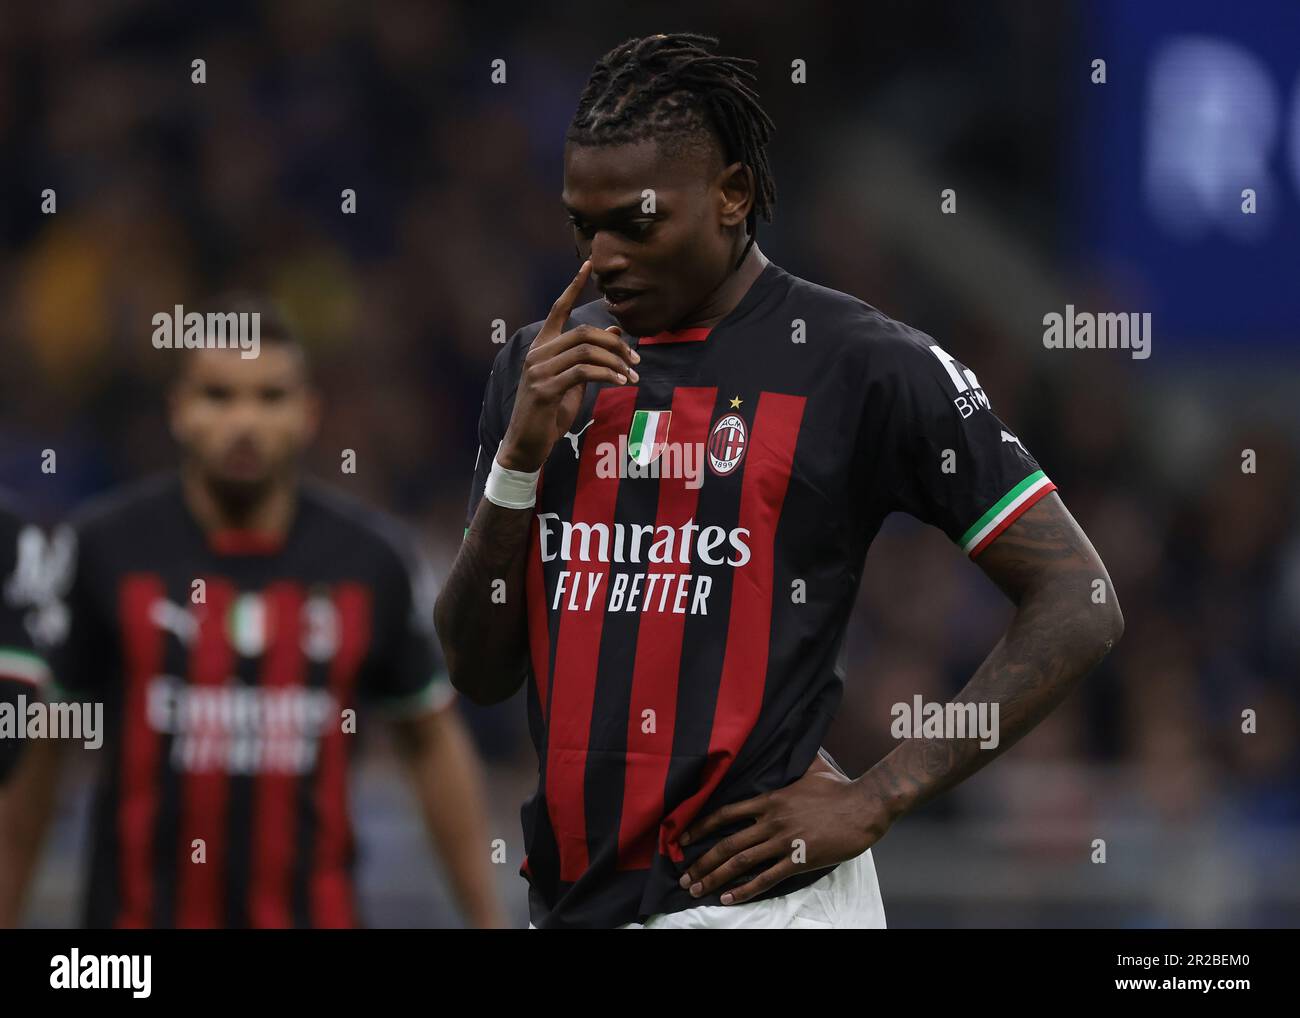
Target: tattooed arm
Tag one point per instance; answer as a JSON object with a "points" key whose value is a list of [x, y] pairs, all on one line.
{"points": [[1047, 566], [484, 637], [1045, 563], [480, 613]]}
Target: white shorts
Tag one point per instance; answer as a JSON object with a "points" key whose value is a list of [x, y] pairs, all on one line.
{"points": [[847, 898]]}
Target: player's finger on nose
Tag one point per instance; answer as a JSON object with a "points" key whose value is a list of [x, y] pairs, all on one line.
{"points": [[563, 306]]}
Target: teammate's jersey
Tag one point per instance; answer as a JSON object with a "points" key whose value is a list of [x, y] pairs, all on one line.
{"points": [[230, 667], [685, 628], [22, 667]]}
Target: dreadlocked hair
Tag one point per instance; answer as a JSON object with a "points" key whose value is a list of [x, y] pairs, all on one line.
{"points": [[675, 90]]}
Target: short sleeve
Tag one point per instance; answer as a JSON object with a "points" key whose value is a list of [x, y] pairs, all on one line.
{"points": [[22, 588], [407, 676], [492, 425], [957, 465], [23, 671], [80, 641]]}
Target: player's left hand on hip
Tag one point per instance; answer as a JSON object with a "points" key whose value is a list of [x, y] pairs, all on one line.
{"points": [[822, 819]]}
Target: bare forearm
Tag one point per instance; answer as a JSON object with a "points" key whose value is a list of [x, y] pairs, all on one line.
{"points": [[26, 807], [1067, 619], [1043, 654], [480, 614], [450, 784]]}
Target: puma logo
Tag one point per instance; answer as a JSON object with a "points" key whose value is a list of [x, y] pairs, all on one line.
{"points": [[1008, 437], [174, 618], [573, 439]]}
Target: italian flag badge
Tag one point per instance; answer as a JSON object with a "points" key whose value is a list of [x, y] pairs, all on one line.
{"points": [[649, 432]]}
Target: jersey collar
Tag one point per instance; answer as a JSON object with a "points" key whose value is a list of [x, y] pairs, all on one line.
{"points": [[696, 335], [245, 542], [757, 288]]}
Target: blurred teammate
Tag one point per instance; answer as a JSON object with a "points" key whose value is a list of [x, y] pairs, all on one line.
{"points": [[682, 481], [234, 617]]}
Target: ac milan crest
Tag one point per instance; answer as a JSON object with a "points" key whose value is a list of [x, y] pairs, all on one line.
{"points": [[727, 443]]}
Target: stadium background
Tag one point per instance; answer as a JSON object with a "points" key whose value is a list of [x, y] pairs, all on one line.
{"points": [[1068, 192]]}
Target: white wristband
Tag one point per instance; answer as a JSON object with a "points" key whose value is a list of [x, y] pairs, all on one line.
{"points": [[511, 489]]}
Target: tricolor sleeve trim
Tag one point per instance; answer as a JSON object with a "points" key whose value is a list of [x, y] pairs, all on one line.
{"points": [[23, 666], [1004, 512]]}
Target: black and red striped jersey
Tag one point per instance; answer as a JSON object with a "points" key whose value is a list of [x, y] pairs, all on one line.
{"points": [[695, 552], [22, 666], [233, 670]]}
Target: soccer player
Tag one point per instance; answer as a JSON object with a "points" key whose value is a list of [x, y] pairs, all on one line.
{"points": [[231, 616], [22, 668], [681, 625]]}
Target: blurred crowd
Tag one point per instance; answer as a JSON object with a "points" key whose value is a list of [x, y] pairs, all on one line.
{"points": [[169, 190]]}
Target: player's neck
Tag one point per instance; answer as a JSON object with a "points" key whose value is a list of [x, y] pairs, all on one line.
{"points": [[270, 514], [729, 293]]}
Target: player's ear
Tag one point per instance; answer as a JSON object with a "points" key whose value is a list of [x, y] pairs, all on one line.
{"points": [[736, 186]]}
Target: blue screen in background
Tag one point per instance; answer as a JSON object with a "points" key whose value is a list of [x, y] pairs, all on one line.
{"points": [[1202, 101]]}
